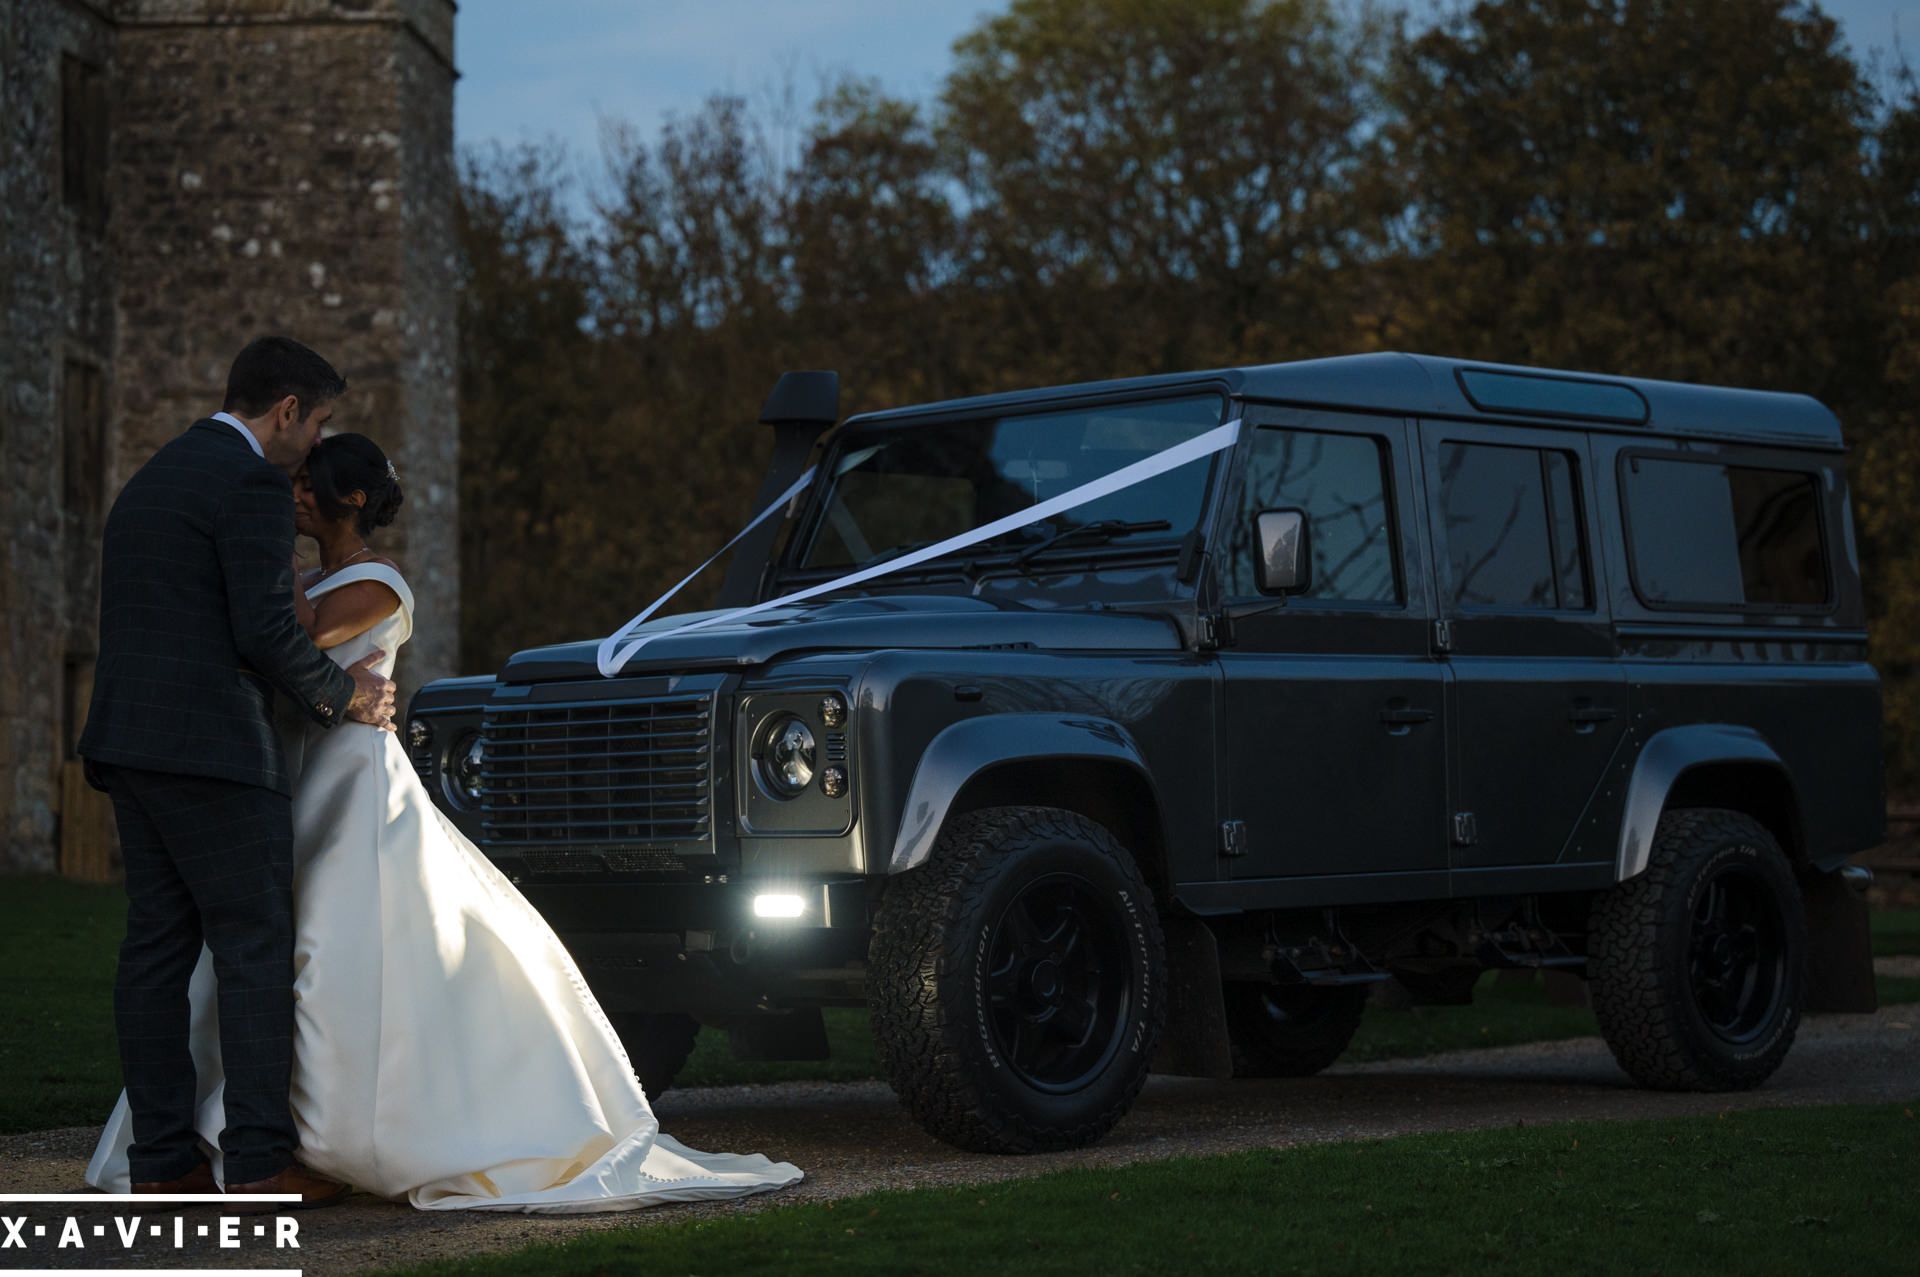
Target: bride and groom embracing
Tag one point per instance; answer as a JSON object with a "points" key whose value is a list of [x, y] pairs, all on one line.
{"points": [[316, 961]]}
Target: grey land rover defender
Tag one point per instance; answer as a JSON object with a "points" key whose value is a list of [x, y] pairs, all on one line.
{"points": [[1439, 667]]}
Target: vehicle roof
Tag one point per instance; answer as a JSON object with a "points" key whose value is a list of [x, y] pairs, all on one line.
{"points": [[1429, 385]]}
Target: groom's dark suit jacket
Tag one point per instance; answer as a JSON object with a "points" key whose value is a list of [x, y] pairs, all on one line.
{"points": [[196, 618]]}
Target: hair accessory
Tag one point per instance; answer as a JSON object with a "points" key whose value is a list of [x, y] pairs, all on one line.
{"points": [[391, 472]]}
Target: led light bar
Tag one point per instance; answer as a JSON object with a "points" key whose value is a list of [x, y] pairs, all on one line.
{"points": [[778, 905]]}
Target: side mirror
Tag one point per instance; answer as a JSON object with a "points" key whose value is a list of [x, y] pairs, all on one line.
{"points": [[1284, 563]]}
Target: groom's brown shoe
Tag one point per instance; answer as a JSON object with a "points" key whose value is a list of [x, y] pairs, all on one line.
{"points": [[198, 1180], [316, 1190]]}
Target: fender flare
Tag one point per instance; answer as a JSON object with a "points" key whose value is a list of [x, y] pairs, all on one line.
{"points": [[1667, 755], [964, 749]]}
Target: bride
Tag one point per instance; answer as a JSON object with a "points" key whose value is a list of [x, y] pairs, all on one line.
{"points": [[446, 1049]]}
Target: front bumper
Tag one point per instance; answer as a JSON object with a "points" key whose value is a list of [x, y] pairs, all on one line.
{"points": [[697, 947]]}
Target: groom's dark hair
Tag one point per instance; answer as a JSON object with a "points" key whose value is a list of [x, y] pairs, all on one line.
{"points": [[271, 368]]}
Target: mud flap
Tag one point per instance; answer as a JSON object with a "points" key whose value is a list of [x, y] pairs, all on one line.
{"points": [[1839, 947], [1194, 1043]]}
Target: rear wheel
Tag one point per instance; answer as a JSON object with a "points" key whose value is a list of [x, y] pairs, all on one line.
{"points": [[1290, 1030], [1018, 982], [658, 1044], [1698, 965]]}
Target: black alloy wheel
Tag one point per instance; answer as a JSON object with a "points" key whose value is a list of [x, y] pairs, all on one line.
{"points": [[1058, 983], [1737, 956]]}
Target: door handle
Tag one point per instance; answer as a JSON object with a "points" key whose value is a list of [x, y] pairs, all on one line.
{"points": [[1585, 716], [1405, 716]]}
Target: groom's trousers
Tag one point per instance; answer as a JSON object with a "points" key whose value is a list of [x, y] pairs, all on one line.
{"points": [[211, 861]]}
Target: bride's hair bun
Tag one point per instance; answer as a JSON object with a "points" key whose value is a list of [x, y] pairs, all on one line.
{"points": [[343, 464]]}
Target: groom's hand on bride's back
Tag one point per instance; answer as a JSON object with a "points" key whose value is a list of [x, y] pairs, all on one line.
{"points": [[372, 693]]}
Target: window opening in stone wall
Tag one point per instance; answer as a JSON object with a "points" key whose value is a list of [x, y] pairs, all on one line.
{"points": [[83, 138], [83, 426]]}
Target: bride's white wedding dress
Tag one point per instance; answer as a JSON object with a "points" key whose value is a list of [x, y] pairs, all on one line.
{"points": [[446, 1048]]}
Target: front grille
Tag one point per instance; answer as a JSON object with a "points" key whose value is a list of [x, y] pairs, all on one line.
{"points": [[422, 760], [620, 773], [549, 862]]}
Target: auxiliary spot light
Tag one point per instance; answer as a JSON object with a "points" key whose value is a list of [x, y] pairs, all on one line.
{"points": [[775, 905]]}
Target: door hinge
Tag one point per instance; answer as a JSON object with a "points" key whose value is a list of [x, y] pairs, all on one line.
{"points": [[1465, 831], [1443, 636], [1215, 631], [1233, 837]]}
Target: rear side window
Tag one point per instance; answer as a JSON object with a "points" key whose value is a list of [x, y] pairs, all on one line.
{"points": [[1511, 528], [1708, 535]]}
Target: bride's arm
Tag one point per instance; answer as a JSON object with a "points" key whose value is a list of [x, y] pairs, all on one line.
{"points": [[348, 611], [302, 605]]}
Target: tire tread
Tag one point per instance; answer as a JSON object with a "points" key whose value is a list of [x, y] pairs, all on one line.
{"points": [[1643, 1016], [919, 937]]}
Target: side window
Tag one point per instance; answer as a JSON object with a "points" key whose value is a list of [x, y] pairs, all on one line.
{"points": [[1340, 480], [1709, 535], [1511, 529]]}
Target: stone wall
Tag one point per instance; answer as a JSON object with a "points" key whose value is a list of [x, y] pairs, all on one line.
{"points": [[275, 166], [429, 455], [56, 284]]}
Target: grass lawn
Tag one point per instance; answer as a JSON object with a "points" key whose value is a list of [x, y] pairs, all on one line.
{"points": [[59, 941], [58, 1066], [1895, 932], [1785, 1191]]}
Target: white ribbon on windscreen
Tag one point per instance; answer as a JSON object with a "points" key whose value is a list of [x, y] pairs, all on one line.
{"points": [[613, 657]]}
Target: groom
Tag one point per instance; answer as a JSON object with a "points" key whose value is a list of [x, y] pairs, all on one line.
{"points": [[197, 632]]}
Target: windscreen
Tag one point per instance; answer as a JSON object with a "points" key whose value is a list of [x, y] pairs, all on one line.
{"points": [[896, 488]]}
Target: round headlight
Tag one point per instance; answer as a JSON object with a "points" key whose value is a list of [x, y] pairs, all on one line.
{"points": [[463, 770], [787, 756], [418, 733]]}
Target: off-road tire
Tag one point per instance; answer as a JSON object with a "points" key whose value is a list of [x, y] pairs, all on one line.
{"points": [[658, 1044], [1290, 1030], [1639, 933], [928, 969]]}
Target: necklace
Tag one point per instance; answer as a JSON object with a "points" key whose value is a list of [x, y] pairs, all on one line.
{"points": [[327, 572]]}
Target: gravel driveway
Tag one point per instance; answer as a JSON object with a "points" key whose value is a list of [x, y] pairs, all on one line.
{"points": [[852, 1137]]}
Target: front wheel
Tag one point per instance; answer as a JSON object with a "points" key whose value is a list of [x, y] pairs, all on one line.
{"points": [[1698, 965], [1018, 982]]}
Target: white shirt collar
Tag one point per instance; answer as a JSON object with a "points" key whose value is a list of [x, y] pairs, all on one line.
{"points": [[245, 433]]}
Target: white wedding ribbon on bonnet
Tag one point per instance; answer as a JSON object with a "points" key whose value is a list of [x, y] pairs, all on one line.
{"points": [[613, 657]]}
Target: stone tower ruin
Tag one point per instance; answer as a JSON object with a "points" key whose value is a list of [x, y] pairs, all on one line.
{"points": [[177, 177]]}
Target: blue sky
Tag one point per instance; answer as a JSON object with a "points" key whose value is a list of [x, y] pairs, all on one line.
{"points": [[535, 69]]}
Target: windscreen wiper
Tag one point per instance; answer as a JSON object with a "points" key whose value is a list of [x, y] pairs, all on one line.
{"points": [[894, 552], [898, 550], [1099, 529]]}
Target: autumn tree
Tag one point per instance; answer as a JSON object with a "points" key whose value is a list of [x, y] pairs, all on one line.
{"points": [[530, 392], [1640, 186], [1154, 186], [882, 293], [1886, 473]]}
